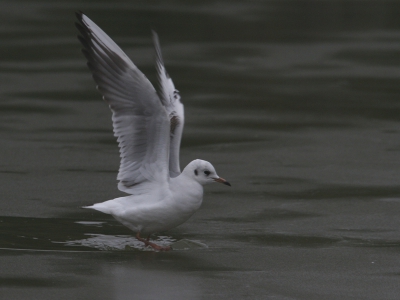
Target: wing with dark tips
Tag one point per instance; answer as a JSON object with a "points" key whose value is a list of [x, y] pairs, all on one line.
{"points": [[141, 123]]}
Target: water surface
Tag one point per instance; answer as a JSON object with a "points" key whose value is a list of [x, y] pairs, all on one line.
{"points": [[294, 102]]}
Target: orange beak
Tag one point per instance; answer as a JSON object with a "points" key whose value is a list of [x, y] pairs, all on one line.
{"points": [[221, 180]]}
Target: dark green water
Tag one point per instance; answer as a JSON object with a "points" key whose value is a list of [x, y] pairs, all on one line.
{"points": [[296, 103]]}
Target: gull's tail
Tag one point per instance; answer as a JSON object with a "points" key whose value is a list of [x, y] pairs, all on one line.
{"points": [[104, 207], [87, 206]]}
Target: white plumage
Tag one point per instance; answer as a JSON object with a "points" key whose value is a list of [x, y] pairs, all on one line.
{"points": [[148, 126]]}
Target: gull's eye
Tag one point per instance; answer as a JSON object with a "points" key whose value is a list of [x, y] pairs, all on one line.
{"points": [[195, 172], [207, 173]]}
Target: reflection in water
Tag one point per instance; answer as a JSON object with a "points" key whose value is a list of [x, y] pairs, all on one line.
{"points": [[42, 234], [119, 242], [130, 281]]}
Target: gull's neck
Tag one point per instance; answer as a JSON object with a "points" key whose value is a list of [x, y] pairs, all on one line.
{"points": [[186, 187]]}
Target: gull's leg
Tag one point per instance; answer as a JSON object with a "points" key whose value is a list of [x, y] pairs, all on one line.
{"points": [[154, 246], [141, 239]]}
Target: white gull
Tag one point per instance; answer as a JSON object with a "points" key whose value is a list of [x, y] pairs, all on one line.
{"points": [[148, 126]]}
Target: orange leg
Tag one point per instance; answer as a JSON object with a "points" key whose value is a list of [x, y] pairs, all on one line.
{"points": [[154, 246]]}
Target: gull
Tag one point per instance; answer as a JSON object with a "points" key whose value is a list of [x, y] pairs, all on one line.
{"points": [[148, 125]]}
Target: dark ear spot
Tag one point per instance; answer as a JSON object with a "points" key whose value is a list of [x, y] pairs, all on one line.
{"points": [[196, 173]]}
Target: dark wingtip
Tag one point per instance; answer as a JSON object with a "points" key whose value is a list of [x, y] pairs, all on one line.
{"points": [[79, 14], [227, 183]]}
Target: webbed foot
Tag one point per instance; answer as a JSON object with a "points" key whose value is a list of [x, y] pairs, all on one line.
{"points": [[151, 244]]}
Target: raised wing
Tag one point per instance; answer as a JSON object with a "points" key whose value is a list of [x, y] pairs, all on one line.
{"points": [[171, 100], [140, 121]]}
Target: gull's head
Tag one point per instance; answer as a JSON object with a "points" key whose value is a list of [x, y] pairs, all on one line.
{"points": [[203, 172]]}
